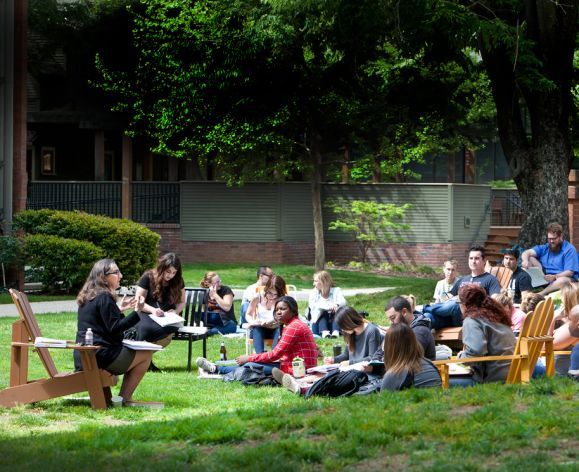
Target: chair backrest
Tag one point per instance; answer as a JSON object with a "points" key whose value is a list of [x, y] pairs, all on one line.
{"points": [[195, 306], [503, 275], [292, 290], [536, 325], [27, 317]]}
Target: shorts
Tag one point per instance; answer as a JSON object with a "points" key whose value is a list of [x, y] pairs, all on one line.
{"points": [[122, 363]]}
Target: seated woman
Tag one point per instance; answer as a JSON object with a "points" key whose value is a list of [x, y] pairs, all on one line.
{"points": [[405, 363], [486, 331], [98, 310], [221, 315], [296, 341], [362, 337], [164, 290], [563, 340], [324, 300], [517, 316], [260, 317]]}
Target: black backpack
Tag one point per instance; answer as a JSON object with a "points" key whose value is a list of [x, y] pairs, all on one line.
{"points": [[338, 384]]}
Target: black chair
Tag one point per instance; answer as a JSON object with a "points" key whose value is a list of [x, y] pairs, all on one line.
{"points": [[195, 313]]}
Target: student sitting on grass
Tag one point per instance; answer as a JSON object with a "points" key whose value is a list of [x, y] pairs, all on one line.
{"points": [[362, 337], [324, 300], [486, 331], [296, 341], [405, 363]]}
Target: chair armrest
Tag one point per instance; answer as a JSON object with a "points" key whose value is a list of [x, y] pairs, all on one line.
{"points": [[469, 360]]}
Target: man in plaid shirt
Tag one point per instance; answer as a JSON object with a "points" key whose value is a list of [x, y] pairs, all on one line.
{"points": [[296, 341]]}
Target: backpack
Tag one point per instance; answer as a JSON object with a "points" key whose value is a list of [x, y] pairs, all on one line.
{"points": [[250, 375], [338, 384]]}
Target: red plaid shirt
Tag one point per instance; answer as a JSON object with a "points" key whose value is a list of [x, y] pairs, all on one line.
{"points": [[296, 341]]}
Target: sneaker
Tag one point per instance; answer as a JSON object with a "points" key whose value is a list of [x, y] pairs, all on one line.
{"points": [[291, 384], [205, 365], [278, 374], [335, 334], [325, 334]]}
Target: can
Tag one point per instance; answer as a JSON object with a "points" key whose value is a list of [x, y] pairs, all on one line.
{"points": [[337, 350], [299, 367]]}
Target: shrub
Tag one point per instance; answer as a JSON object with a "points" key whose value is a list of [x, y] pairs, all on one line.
{"points": [[10, 252], [60, 263], [134, 247]]}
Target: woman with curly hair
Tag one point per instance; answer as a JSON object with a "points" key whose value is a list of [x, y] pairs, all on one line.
{"points": [[486, 331]]}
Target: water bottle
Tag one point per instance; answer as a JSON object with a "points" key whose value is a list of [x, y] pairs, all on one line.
{"points": [[88, 337], [222, 352], [337, 350]]}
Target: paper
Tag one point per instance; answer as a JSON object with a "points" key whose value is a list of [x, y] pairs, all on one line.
{"points": [[537, 276], [193, 329], [458, 369], [49, 342], [141, 345], [169, 319], [323, 369]]}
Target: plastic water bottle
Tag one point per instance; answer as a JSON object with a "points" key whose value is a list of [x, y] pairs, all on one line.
{"points": [[88, 337]]}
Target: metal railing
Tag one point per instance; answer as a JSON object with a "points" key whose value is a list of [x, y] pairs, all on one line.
{"points": [[99, 198], [506, 208], [152, 202]]}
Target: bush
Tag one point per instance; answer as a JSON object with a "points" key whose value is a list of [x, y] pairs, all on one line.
{"points": [[10, 253], [134, 247], [60, 263]]}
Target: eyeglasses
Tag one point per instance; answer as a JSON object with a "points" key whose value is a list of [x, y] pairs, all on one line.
{"points": [[113, 272], [271, 294], [553, 239]]}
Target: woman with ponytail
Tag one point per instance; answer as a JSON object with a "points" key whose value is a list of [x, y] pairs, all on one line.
{"points": [[486, 331]]}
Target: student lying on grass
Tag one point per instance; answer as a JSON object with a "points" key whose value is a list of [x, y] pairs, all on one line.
{"points": [[296, 341], [404, 363]]}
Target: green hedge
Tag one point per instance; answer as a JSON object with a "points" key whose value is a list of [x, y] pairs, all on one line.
{"points": [[60, 263], [134, 247]]}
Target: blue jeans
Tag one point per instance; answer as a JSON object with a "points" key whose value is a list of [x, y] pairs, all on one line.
{"points": [[260, 334], [465, 381], [267, 368], [575, 358], [244, 307], [325, 322], [216, 325], [443, 315]]}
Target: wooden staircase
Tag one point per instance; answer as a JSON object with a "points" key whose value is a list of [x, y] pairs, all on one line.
{"points": [[500, 237]]}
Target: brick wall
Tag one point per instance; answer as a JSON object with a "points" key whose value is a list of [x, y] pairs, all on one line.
{"points": [[302, 252]]}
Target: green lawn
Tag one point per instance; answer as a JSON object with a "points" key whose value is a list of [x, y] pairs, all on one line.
{"points": [[210, 425]]}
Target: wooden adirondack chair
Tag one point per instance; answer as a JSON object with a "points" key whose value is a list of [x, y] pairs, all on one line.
{"points": [[22, 391], [532, 340], [503, 275]]}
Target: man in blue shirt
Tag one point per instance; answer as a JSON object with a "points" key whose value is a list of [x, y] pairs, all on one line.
{"points": [[557, 259]]}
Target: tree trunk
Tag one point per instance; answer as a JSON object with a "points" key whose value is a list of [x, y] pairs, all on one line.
{"points": [[316, 155], [539, 157]]}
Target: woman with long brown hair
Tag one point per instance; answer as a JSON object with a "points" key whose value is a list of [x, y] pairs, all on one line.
{"points": [[404, 361], [163, 289], [486, 331]]}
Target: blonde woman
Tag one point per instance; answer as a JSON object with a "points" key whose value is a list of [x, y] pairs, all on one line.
{"points": [[324, 300], [559, 329]]}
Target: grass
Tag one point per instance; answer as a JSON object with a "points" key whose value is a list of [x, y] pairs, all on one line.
{"points": [[213, 426]]}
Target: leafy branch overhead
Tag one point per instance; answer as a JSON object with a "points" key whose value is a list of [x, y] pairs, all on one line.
{"points": [[371, 222]]}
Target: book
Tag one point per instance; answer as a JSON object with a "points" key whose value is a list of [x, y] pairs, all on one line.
{"points": [[323, 369], [168, 319], [49, 342], [141, 345], [537, 276]]}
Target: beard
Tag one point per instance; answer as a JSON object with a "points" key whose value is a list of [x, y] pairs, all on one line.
{"points": [[555, 247]]}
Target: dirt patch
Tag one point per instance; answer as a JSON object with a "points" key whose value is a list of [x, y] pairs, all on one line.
{"points": [[383, 462]]}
